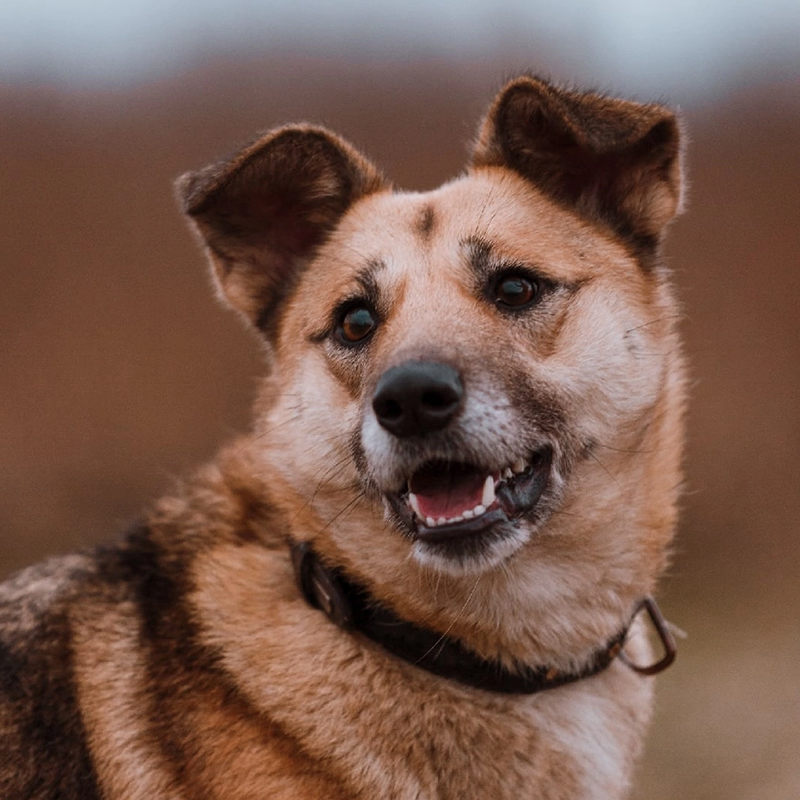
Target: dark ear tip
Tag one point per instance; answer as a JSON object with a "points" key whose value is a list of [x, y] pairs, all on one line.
{"points": [[520, 93], [194, 188], [294, 149], [186, 191], [529, 84], [665, 132]]}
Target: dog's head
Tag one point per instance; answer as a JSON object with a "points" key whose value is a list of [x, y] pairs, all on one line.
{"points": [[476, 375]]}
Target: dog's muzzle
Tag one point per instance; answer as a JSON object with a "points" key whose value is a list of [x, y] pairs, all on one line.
{"points": [[451, 503]]}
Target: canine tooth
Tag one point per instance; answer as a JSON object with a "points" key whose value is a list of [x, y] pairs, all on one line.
{"points": [[468, 515], [507, 473], [488, 492], [414, 503], [430, 522], [519, 466], [478, 510]]}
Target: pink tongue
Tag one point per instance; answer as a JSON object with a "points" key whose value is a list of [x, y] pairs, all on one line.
{"points": [[447, 491]]}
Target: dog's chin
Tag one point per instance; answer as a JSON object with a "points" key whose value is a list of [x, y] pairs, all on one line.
{"points": [[465, 519], [475, 554]]}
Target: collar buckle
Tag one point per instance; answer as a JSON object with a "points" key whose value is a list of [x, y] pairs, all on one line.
{"points": [[661, 629], [321, 588]]}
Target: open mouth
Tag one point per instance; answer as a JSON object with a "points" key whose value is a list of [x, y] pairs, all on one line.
{"points": [[455, 502]]}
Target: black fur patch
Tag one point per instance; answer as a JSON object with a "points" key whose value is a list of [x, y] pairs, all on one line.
{"points": [[426, 222], [43, 747], [180, 669]]}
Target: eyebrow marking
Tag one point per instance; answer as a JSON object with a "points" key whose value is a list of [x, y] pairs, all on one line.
{"points": [[480, 256], [367, 279], [426, 221], [486, 262]]}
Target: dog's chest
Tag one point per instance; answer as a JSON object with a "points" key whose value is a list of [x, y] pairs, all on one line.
{"points": [[570, 745], [384, 728], [429, 747]]}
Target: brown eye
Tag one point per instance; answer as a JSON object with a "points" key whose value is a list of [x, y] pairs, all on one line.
{"points": [[356, 325], [516, 291]]}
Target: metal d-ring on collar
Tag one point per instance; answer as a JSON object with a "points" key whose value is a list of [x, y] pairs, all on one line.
{"points": [[351, 607]]}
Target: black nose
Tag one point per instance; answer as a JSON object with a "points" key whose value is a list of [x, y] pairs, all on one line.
{"points": [[417, 397]]}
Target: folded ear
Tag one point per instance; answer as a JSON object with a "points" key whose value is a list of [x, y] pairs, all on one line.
{"points": [[613, 161], [263, 213]]}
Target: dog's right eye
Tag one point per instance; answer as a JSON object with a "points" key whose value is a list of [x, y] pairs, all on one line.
{"points": [[356, 324]]}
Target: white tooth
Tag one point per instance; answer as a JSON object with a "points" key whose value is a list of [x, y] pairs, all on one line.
{"points": [[468, 515], [508, 473], [478, 510], [441, 521], [519, 466], [455, 519], [430, 522], [488, 492], [414, 503]]}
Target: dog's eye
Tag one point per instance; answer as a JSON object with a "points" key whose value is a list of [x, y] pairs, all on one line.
{"points": [[356, 324], [515, 290]]}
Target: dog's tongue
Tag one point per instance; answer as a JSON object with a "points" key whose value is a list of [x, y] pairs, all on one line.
{"points": [[447, 490]]}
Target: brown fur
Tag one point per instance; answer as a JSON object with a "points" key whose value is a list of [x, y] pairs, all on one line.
{"points": [[184, 663]]}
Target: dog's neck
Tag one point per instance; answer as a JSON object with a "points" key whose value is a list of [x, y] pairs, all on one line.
{"points": [[350, 606]]}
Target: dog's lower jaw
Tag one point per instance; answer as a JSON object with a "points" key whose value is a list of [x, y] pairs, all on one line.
{"points": [[489, 550]]}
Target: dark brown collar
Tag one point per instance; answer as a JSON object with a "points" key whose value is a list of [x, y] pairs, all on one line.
{"points": [[352, 608]]}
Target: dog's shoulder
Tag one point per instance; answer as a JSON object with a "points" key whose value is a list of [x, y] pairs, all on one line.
{"points": [[41, 733], [54, 618]]}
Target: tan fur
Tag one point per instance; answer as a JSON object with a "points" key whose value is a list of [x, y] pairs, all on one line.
{"points": [[129, 764], [199, 670]]}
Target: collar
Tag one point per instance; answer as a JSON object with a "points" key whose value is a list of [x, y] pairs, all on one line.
{"points": [[352, 608]]}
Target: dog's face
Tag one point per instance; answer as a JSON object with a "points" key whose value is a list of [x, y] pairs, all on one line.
{"points": [[458, 373], [467, 347]]}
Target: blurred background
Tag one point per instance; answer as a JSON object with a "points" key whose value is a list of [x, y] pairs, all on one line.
{"points": [[118, 370]]}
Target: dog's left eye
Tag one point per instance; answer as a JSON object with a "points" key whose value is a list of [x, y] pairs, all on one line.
{"points": [[356, 324], [516, 290]]}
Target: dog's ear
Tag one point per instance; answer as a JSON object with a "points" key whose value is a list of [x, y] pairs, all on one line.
{"points": [[263, 213], [613, 161]]}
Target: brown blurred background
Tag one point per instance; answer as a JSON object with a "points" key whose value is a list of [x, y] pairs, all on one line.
{"points": [[119, 370]]}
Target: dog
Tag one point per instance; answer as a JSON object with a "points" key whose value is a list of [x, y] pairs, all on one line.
{"points": [[426, 572]]}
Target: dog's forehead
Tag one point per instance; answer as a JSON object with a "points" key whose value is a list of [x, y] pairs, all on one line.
{"points": [[410, 244], [429, 231]]}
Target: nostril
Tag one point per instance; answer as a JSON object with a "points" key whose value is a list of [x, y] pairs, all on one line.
{"points": [[437, 400], [388, 409]]}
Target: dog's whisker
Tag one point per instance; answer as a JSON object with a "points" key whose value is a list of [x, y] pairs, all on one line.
{"points": [[348, 507], [629, 451], [655, 321], [258, 437], [571, 515], [326, 473], [437, 644], [261, 434]]}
